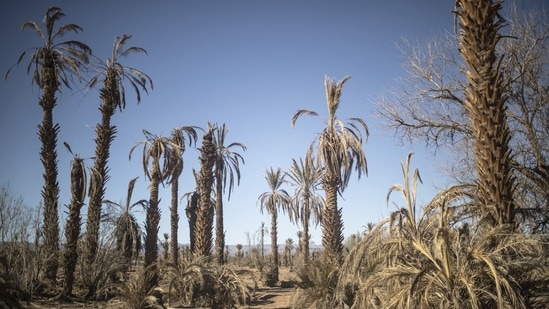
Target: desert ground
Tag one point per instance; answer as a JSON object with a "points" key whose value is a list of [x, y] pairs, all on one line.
{"points": [[262, 296]]}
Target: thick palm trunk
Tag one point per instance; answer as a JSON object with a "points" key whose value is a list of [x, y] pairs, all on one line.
{"points": [[48, 132], [204, 219], [332, 225], [105, 133], [485, 105], [191, 211], [72, 229], [219, 229], [274, 246], [151, 224], [151, 228], [304, 242], [174, 223]]}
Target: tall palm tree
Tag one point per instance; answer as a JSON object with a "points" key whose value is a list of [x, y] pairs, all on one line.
{"points": [[272, 201], [52, 64], [306, 177], [126, 228], [113, 75], [191, 209], [72, 229], [485, 99], [179, 136], [339, 151], [158, 163], [204, 217], [227, 164]]}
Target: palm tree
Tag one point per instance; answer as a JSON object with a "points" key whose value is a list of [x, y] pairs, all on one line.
{"points": [[300, 248], [306, 177], [226, 166], [161, 151], [204, 217], [239, 251], [52, 65], [485, 100], [178, 138], [191, 209], [126, 229], [288, 251], [113, 96], [339, 151], [72, 229], [272, 201]]}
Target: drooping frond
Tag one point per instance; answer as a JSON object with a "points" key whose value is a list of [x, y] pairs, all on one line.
{"points": [[300, 113]]}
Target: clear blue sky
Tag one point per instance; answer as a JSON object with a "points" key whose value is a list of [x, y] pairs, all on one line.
{"points": [[249, 64]]}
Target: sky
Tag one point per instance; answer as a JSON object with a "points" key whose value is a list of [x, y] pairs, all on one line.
{"points": [[248, 64]]}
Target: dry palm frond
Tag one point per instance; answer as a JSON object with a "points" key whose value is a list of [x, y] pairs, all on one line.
{"points": [[136, 293], [201, 284], [318, 287], [445, 259]]}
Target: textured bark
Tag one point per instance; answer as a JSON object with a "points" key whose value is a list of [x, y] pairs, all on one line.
{"points": [[151, 226], [204, 219], [332, 225], [48, 132], [191, 212], [304, 242], [485, 105], [105, 134], [174, 222], [72, 229], [219, 229], [274, 245]]}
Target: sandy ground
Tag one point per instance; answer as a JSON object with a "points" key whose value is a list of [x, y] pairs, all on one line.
{"points": [[263, 296]]}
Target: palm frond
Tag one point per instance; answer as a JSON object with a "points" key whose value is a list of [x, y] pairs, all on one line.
{"points": [[302, 112], [33, 26]]}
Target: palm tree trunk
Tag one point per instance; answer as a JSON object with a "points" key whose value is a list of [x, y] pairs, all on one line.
{"points": [[204, 219], [332, 225], [151, 227], [274, 245], [219, 229], [485, 105], [191, 212], [174, 222], [105, 133], [72, 229], [48, 155], [304, 245]]}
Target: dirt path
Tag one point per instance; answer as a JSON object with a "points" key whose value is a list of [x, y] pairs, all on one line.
{"points": [[273, 298]]}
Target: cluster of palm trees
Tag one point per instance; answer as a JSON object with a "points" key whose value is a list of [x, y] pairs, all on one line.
{"points": [[55, 64], [463, 249], [339, 150]]}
